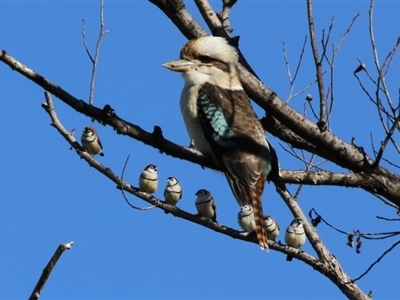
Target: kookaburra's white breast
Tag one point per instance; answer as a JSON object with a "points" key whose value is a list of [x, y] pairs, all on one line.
{"points": [[189, 111]]}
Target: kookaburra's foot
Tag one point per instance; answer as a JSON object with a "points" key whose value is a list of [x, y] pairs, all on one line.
{"points": [[191, 145]]}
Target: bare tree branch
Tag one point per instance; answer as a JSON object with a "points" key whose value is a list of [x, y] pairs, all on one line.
{"points": [[386, 140], [318, 65], [381, 77], [123, 192], [176, 11], [292, 80], [332, 268], [332, 62], [387, 219], [286, 123], [345, 154], [175, 211], [366, 235], [49, 268], [324, 144], [377, 261], [85, 41], [327, 264], [211, 18], [97, 51], [223, 15]]}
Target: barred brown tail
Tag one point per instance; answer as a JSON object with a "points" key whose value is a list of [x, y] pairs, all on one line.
{"points": [[258, 214]]}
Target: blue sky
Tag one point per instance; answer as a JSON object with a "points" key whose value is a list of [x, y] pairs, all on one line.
{"points": [[49, 196]]}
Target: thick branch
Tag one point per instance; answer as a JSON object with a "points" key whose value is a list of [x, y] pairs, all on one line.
{"points": [[354, 180], [211, 18], [330, 266], [154, 139], [176, 11]]}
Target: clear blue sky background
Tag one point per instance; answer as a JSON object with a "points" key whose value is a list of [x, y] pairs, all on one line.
{"points": [[49, 196]]}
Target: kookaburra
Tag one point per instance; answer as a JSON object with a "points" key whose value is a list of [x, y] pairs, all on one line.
{"points": [[221, 122]]}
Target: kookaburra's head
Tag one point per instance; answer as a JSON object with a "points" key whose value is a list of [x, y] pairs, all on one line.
{"points": [[207, 59]]}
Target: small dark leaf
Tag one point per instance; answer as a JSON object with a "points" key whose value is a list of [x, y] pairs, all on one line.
{"points": [[360, 68], [359, 243], [350, 240], [316, 221]]}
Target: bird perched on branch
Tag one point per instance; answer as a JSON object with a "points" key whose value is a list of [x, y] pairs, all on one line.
{"points": [[247, 223], [148, 179], [221, 122], [173, 191], [246, 218], [205, 205], [295, 236], [91, 141], [272, 228]]}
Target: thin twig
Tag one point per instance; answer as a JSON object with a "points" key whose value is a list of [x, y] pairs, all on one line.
{"points": [[381, 235], [380, 108], [292, 80], [328, 224], [318, 65], [388, 203], [85, 40], [375, 262], [303, 90], [48, 269], [366, 235], [390, 163], [369, 95], [372, 144], [324, 42], [302, 159], [389, 58], [385, 142], [308, 168], [381, 76], [347, 32], [287, 68], [312, 109], [387, 219], [123, 192], [332, 63], [97, 51]]}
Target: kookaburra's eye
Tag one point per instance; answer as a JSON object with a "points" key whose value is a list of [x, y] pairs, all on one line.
{"points": [[206, 59]]}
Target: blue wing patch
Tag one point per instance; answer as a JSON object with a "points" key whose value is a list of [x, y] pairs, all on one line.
{"points": [[216, 118]]}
